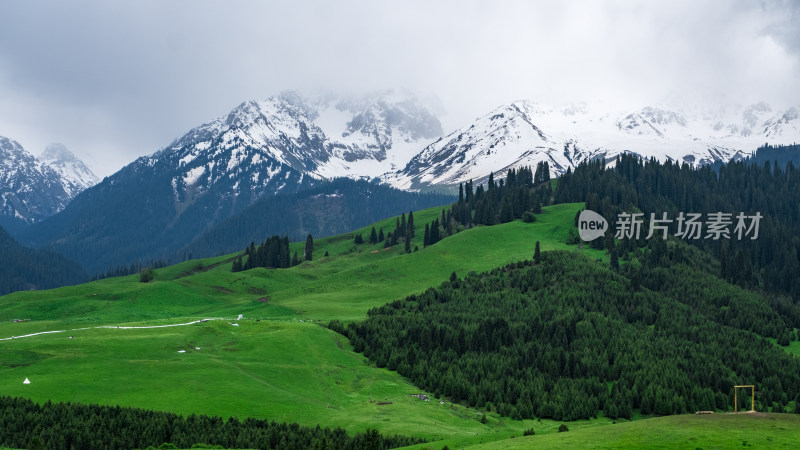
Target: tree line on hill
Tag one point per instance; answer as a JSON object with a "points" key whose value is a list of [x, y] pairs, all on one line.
{"points": [[22, 268], [771, 262], [273, 254], [500, 202], [25, 424], [504, 200], [672, 326], [567, 338], [754, 185], [403, 231], [130, 269], [334, 207], [113, 246]]}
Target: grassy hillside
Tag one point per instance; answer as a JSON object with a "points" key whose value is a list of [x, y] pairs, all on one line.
{"points": [[278, 363], [711, 431], [342, 286]]}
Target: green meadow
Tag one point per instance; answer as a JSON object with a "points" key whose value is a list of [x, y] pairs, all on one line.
{"points": [[712, 431], [280, 361]]}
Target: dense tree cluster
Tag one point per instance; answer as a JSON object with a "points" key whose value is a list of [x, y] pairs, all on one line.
{"points": [[772, 261], [521, 194], [505, 200], [568, 337], [780, 154], [436, 231], [68, 426], [273, 253], [23, 268]]}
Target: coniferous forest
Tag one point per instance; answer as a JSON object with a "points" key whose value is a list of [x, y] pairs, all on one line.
{"points": [[770, 261], [272, 253], [569, 337], [25, 424], [669, 326], [22, 268]]}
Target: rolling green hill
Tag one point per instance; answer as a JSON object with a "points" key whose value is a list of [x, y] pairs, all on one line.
{"points": [[713, 431], [278, 363]]}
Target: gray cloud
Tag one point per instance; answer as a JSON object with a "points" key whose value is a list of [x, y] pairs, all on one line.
{"points": [[116, 80]]}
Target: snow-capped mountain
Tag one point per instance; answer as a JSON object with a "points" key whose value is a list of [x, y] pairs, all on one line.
{"points": [[75, 176], [30, 190], [524, 133], [284, 144], [323, 137]]}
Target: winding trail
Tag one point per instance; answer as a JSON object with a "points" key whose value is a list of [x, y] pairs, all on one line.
{"points": [[112, 326]]}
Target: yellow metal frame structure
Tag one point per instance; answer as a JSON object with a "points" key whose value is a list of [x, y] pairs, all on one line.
{"points": [[752, 394]]}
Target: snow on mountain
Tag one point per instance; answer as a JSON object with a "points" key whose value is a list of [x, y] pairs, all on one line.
{"points": [[785, 125], [75, 176], [283, 144], [288, 137], [30, 190], [524, 133]]}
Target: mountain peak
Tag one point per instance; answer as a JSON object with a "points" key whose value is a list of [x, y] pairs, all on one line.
{"points": [[523, 133], [75, 176], [30, 190], [57, 152]]}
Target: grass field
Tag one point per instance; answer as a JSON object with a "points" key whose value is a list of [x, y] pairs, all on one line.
{"points": [[281, 363], [342, 286], [288, 371], [713, 431]]}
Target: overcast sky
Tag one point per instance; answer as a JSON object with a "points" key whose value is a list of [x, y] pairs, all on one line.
{"points": [[114, 80]]}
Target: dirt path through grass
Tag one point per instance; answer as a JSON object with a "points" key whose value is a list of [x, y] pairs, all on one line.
{"points": [[112, 326]]}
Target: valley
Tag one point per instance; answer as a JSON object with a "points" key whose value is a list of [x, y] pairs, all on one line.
{"points": [[280, 361], [374, 225]]}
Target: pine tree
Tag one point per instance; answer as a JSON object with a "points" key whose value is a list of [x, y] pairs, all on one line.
{"points": [[373, 236], [407, 247], [426, 241], [403, 225], [537, 254], [506, 212], [309, 250], [381, 237], [434, 233], [614, 259], [286, 262], [295, 259], [410, 229]]}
